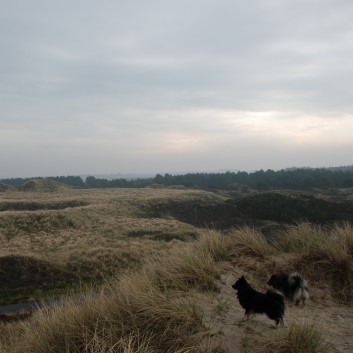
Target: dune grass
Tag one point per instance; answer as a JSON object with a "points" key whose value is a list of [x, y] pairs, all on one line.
{"points": [[83, 235], [153, 309], [319, 252], [132, 313], [299, 338], [147, 310], [323, 253], [215, 244], [301, 238], [250, 242]]}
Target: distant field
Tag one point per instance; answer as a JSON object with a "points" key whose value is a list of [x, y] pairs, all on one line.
{"points": [[54, 237]]}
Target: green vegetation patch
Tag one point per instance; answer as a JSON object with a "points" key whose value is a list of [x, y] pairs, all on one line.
{"points": [[22, 277]]}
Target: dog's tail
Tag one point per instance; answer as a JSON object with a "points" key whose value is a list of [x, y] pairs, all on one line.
{"points": [[300, 286]]}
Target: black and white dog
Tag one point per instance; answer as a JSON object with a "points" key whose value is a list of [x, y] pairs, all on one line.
{"points": [[293, 286], [270, 303]]}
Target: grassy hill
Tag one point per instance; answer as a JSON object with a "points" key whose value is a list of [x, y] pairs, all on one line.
{"points": [[54, 237], [152, 281]]}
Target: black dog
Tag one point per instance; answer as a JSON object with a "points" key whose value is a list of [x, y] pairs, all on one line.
{"points": [[292, 286], [271, 303]]}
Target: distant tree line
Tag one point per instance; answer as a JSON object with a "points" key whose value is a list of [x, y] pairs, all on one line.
{"points": [[262, 180], [92, 182], [302, 178]]}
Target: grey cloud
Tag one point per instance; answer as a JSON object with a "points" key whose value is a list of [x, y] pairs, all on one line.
{"points": [[88, 70], [223, 48]]}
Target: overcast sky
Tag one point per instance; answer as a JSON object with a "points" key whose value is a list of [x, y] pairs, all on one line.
{"points": [[157, 86]]}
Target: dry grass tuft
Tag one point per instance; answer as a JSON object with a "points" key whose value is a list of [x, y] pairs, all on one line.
{"points": [[215, 244], [251, 242], [184, 269], [301, 238], [132, 315], [324, 252], [299, 338]]}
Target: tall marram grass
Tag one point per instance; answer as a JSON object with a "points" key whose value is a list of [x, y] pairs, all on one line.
{"points": [[133, 313], [152, 309], [323, 251], [250, 241], [149, 310], [301, 238], [215, 244], [299, 338], [192, 266]]}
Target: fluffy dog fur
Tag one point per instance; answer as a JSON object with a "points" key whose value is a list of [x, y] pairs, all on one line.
{"points": [[292, 286], [270, 303]]}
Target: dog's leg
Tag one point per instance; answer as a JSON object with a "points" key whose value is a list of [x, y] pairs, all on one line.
{"points": [[278, 323], [246, 316]]}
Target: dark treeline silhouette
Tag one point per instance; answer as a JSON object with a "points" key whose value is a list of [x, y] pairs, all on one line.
{"points": [[263, 180], [70, 180], [92, 182], [302, 178]]}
